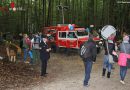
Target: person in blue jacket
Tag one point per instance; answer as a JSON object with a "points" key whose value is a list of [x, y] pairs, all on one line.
{"points": [[44, 55]]}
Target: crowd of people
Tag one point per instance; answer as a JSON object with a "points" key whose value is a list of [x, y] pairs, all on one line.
{"points": [[36, 48], [110, 48]]}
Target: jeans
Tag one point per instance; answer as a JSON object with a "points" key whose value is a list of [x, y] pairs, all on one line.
{"points": [[88, 67], [123, 71], [106, 64], [26, 53]]}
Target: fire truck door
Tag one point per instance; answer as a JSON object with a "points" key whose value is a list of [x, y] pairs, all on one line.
{"points": [[71, 40], [62, 39]]}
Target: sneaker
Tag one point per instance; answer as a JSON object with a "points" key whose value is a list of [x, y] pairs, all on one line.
{"points": [[26, 62], [122, 82], [93, 62], [43, 75], [86, 85]]}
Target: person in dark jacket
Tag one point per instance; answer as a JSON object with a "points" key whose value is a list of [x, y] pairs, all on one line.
{"points": [[106, 64], [44, 55], [89, 60]]}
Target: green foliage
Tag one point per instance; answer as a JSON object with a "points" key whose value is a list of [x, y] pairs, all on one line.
{"points": [[38, 13], [0, 13]]}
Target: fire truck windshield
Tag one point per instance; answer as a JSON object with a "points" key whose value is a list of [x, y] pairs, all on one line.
{"points": [[82, 33]]}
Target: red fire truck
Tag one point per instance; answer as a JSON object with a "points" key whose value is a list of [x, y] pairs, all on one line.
{"points": [[63, 37]]}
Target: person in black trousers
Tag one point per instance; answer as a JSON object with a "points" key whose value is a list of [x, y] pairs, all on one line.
{"points": [[44, 55]]}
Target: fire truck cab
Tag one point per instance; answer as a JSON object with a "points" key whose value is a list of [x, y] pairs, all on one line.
{"points": [[71, 38]]}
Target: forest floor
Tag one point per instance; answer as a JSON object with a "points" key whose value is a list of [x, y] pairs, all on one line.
{"points": [[64, 73]]}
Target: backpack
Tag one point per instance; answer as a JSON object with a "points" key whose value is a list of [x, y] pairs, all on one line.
{"points": [[37, 40], [84, 50]]}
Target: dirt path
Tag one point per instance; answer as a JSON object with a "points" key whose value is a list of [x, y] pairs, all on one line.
{"points": [[67, 73]]}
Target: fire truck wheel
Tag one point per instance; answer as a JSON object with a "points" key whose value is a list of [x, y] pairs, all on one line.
{"points": [[78, 51], [57, 49], [67, 51]]}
